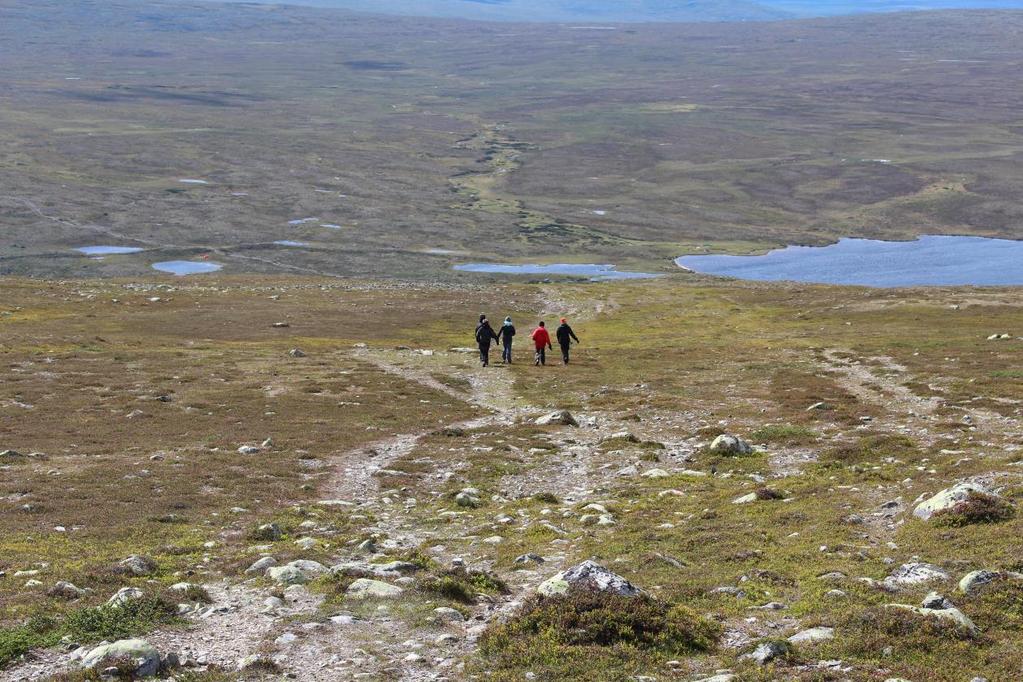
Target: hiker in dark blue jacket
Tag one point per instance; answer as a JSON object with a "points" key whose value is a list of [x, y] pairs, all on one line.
{"points": [[484, 335], [507, 333]]}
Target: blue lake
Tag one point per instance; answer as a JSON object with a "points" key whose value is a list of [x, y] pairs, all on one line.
{"points": [[186, 267], [107, 250], [929, 261], [589, 270]]}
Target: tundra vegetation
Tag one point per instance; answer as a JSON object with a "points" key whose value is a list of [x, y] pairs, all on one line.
{"points": [[156, 434]]}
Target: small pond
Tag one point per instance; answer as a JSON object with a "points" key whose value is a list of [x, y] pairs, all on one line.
{"points": [[107, 250], [186, 267], [590, 270], [288, 242], [931, 260]]}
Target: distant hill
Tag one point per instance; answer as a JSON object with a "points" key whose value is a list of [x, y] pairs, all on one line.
{"points": [[642, 10], [565, 10]]}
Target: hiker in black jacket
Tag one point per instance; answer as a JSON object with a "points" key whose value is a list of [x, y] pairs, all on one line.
{"points": [[507, 333], [565, 336], [484, 335]]}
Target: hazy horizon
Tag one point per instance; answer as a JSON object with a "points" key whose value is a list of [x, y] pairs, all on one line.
{"points": [[639, 10]]}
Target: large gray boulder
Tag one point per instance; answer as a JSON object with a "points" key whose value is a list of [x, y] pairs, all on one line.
{"points": [[948, 498], [144, 657], [588, 575]]}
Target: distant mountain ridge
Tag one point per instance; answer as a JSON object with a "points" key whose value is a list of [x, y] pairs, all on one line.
{"points": [[641, 10]]}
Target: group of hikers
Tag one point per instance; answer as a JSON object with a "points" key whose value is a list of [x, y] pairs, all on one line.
{"points": [[485, 334]]}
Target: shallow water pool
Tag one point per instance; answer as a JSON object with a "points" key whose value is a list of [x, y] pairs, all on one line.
{"points": [[931, 260], [186, 267]]}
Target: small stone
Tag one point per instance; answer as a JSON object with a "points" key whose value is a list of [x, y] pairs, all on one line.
{"points": [[296, 353]]}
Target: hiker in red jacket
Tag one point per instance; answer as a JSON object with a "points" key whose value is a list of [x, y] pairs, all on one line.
{"points": [[542, 339]]}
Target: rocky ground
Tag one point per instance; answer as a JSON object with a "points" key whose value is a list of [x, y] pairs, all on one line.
{"points": [[776, 497]]}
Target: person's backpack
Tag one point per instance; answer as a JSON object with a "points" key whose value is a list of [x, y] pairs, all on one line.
{"points": [[481, 334]]}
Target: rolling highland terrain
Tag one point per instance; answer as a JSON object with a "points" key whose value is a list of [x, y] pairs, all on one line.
{"points": [[296, 468], [383, 144]]}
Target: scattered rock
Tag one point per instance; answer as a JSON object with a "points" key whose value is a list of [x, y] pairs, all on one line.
{"points": [[125, 595], [260, 566], [446, 614], [144, 658], [138, 565], [948, 498], [730, 445], [812, 636], [296, 353], [559, 418], [366, 588], [268, 532], [468, 497], [952, 614], [529, 558], [915, 574], [248, 450], [767, 652], [976, 579], [296, 573], [935, 600], [66, 590], [588, 575]]}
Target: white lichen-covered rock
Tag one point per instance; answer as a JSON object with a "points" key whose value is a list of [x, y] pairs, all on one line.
{"points": [[144, 657], [767, 652], [125, 595], [559, 418], [366, 588], [296, 573], [260, 566], [915, 574], [975, 579], [138, 565], [588, 575], [730, 445], [953, 614], [745, 499], [812, 636], [948, 498]]}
